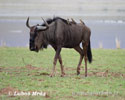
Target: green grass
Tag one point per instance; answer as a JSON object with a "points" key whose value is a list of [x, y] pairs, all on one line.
{"points": [[23, 70]]}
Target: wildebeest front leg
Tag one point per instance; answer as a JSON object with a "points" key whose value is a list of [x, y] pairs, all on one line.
{"points": [[62, 67], [55, 61], [80, 51], [54, 65]]}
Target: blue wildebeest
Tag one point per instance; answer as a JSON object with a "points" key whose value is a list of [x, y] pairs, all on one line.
{"points": [[60, 33]]}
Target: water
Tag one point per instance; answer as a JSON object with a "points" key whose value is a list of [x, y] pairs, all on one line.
{"points": [[14, 33], [106, 19], [106, 32]]}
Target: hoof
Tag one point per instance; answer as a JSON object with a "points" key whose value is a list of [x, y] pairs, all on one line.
{"points": [[85, 75], [62, 75], [51, 75], [78, 72]]}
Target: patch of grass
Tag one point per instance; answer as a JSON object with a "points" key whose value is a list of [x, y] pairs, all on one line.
{"points": [[23, 70]]}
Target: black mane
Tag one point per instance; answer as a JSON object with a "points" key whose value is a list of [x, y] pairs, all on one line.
{"points": [[49, 21]]}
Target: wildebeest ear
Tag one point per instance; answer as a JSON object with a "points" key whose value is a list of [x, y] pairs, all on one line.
{"points": [[68, 21]]}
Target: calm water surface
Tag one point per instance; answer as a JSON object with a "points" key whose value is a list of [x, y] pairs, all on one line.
{"points": [[14, 33]]}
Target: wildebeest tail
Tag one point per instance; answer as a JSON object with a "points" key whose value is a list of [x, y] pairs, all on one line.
{"points": [[89, 53]]}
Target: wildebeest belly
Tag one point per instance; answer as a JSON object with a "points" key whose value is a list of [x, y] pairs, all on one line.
{"points": [[71, 42]]}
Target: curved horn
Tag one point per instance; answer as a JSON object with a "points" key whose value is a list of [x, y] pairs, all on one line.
{"points": [[47, 26], [41, 28], [82, 22], [73, 20], [27, 23]]}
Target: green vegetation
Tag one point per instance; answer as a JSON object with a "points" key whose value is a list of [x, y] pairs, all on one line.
{"points": [[24, 71]]}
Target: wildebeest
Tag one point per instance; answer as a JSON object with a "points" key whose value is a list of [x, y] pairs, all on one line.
{"points": [[58, 33]]}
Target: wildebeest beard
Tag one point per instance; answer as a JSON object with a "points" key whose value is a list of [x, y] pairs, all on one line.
{"points": [[42, 42], [44, 45]]}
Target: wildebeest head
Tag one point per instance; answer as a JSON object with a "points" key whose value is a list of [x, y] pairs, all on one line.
{"points": [[36, 40]]}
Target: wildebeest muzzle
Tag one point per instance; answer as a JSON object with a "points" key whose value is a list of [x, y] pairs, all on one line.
{"points": [[32, 46]]}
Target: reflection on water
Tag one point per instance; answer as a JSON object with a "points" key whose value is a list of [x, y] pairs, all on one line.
{"points": [[15, 33]]}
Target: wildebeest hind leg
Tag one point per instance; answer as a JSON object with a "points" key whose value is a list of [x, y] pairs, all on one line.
{"points": [[85, 46], [80, 51]]}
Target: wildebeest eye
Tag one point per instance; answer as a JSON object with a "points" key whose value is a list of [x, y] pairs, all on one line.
{"points": [[33, 36], [31, 40]]}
